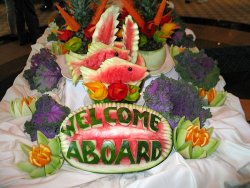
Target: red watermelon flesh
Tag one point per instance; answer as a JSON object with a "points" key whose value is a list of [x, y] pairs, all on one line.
{"points": [[115, 70], [93, 61], [106, 27], [112, 128], [131, 37]]}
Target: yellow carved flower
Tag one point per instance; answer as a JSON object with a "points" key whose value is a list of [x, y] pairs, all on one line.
{"points": [[43, 159], [198, 137], [40, 155], [97, 90]]}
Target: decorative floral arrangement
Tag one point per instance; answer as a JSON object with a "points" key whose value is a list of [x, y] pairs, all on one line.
{"points": [[43, 159], [74, 27], [47, 118], [174, 99], [154, 20], [44, 73], [192, 141], [111, 71]]}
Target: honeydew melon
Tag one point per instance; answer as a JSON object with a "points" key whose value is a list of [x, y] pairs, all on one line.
{"points": [[192, 149]]}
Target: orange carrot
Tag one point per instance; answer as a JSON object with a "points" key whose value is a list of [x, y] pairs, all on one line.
{"points": [[130, 9], [70, 21], [159, 13], [98, 12]]}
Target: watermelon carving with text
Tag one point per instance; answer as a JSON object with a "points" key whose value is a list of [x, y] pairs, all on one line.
{"points": [[115, 138]]}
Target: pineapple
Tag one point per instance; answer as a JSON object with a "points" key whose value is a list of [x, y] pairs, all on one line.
{"points": [[82, 12], [147, 8]]}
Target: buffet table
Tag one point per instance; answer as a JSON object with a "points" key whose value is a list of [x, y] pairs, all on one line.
{"points": [[229, 166]]}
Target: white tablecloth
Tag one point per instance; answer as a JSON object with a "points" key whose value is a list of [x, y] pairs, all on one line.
{"points": [[229, 166]]}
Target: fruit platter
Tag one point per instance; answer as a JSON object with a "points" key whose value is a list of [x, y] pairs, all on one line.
{"points": [[117, 94]]}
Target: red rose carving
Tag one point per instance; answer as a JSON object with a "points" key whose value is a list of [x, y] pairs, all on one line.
{"points": [[117, 91]]}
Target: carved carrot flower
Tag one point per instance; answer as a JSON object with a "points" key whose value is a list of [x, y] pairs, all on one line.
{"points": [[43, 159], [193, 142], [97, 90]]}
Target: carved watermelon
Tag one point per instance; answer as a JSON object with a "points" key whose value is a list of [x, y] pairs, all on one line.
{"points": [[98, 53], [131, 37], [115, 138], [106, 27]]}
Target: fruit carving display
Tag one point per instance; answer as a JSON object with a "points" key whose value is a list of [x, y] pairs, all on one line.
{"points": [[22, 107], [104, 46], [193, 142], [43, 159], [212, 97], [115, 138]]}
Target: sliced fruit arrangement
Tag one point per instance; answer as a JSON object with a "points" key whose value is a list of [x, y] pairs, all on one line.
{"points": [[115, 138], [115, 70], [43, 159], [104, 47], [212, 97], [193, 142], [98, 53], [23, 107]]}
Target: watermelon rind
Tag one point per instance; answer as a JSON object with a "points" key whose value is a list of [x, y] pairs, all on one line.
{"points": [[113, 12], [133, 42], [115, 168]]}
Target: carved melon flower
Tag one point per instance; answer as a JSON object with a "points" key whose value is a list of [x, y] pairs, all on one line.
{"points": [[23, 107], [97, 90], [133, 93], [212, 97], [73, 44], [43, 159], [193, 142]]}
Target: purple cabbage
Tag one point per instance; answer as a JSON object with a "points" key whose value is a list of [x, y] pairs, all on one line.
{"points": [[197, 68], [44, 73], [47, 118], [174, 99]]}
